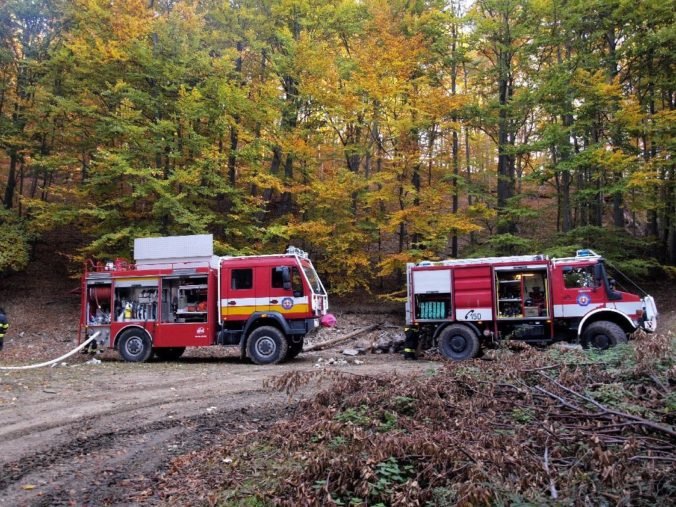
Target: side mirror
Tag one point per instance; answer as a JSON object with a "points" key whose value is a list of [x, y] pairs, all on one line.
{"points": [[599, 275], [286, 278]]}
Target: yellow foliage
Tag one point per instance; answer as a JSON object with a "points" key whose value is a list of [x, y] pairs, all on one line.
{"points": [[394, 262], [266, 181]]}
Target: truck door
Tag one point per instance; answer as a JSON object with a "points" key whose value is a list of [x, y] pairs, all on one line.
{"points": [[577, 291], [287, 293], [242, 291]]}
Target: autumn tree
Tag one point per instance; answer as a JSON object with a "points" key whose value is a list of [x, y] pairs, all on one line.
{"points": [[504, 31]]}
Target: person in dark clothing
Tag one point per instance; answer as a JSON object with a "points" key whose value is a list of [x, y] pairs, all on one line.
{"points": [[410, 343], [4, 326]]}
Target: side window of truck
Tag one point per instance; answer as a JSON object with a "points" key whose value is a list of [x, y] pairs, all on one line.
{"points": [[575, 278], [292, 275], [241, 279], [278, 275]]}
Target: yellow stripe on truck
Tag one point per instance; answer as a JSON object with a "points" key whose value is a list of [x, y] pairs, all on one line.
{"points": [[230, 311], [294, 309], [239, 310]]}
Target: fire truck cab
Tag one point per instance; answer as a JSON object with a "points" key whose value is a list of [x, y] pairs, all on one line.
{"points": [[177, 294], [460, 305]]}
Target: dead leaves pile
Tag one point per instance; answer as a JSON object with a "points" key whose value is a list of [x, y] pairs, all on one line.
{"points": [[540, 428]]}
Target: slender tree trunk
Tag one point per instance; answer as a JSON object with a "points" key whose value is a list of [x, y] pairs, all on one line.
{"points": [[649, 148], [455, 149], [232, 156], [8, 201], [455, 143], [505, 136], [618, 199]]}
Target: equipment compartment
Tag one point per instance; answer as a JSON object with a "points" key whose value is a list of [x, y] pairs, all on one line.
{"points": [[136, 300], [433, 306], [184, 299]]}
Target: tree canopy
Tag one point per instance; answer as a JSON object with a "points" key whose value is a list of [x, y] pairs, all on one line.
{"points": [[371, 133]]}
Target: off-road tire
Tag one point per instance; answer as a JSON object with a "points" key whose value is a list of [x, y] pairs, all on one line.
{"points": [[458, 342], [169, 353], [135, 345], [602, 335], [267, 345]]}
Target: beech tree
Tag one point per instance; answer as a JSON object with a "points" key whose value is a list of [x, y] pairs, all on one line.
{"points": [[372, 133]]}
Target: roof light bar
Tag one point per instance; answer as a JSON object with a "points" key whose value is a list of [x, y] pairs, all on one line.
{"points": [[292, 250]]}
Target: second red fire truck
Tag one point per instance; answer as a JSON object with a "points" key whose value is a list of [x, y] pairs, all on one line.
{"points": [[462, 304], [177, 294]]}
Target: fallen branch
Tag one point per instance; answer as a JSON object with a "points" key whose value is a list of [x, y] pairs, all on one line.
{"points": [[333, 341], [559, 399], [656, 458], [664, 389], [552, 484], [605, 410]]}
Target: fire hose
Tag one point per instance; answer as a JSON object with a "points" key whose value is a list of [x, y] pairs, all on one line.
{"points": [[53, 361]]}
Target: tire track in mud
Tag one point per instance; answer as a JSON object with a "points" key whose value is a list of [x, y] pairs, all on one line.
{"points": [[111, 467], [115, 410]]}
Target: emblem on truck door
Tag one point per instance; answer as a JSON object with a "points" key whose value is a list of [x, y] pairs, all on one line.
{"points": [[287, 303], [583, 299]]}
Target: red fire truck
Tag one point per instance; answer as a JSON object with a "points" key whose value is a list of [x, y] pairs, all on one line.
{"points": [[461, 304], [177, 294]]}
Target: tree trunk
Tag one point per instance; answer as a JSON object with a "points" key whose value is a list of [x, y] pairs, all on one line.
{"points": [[232, 156], [505, 138], [618, 198], [8, 201]]}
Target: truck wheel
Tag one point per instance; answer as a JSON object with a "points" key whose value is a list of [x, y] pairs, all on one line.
{"points": [[294, 349], [602, 335], [134, 345], [266, 345], [458, 343], [169, 353]]}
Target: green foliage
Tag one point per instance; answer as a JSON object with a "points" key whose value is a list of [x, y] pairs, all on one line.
{"points": [[404, 404], [505, 244], [614, 245], [337, 441], [14, 254], [388, 423], [354, 415], [627, 256], [388, 474], [522, 415]]}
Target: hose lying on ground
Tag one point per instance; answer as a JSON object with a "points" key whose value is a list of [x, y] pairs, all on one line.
{"points": [[40, 365]]}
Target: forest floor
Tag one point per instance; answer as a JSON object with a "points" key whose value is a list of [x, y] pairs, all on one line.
{"points": [[106, 433]]}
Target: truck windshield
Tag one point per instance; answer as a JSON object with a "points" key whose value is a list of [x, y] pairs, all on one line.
{"points": [[312, 277]]}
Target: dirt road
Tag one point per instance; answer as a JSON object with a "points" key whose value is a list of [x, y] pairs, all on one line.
{"points": [[98, 434]]}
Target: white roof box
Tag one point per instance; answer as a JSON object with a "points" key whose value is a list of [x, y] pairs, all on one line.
{"points": [[198, 248]]}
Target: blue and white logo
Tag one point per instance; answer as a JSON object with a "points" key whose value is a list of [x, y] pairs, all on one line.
{"points": [[287, 303], [583, 299]]}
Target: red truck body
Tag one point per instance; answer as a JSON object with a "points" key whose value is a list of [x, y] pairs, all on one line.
{"points": [[462, 304], [264, 305]]}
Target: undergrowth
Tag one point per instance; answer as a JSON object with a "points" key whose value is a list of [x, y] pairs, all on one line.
{"points": [[534, 428]]}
